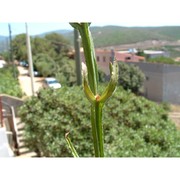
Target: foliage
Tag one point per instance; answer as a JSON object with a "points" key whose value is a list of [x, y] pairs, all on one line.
{"points": [[130, 77], [62, 68], [59, 43], [19, 47], [9, 85], [133, 126], [163, 60], [102, 76], [141, 53], [90, 85], [115, 35], [5, 56], [174, 50], [44, 64], [52, 45], [65, 73], [49, 56], [42, 46]]}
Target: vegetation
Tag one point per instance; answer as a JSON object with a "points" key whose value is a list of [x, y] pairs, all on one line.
{"points": [[174, 50], [163, 60], [133, 126], [65, 71], [8, 84], [90, 84], [130, 77], [52, 45], [50, 56], [59, 43], [116, 35], [44, 64], [19, 47]]}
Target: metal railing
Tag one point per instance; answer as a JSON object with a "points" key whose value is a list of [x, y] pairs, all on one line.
{"points": [[8, 120]]}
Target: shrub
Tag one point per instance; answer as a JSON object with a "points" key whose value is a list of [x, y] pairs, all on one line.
{"points": [[65, 73], [44, 64], [8, 84], [133, 126], [130, 77]]}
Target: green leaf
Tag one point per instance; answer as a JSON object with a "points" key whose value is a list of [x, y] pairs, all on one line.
{"points": [[112, 84], [71, 147]]}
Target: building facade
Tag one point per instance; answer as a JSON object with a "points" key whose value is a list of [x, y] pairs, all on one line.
{"points": [[162, 82], [155, 54], [104, 56]]}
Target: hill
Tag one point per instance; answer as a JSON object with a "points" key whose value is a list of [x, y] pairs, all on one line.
{"points": [[62, 32], [117, 35], [166, 38], [3, 43]]}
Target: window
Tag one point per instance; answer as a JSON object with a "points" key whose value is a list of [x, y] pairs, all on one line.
{"points": [[104, 59], [97, 58], [128, 58]]}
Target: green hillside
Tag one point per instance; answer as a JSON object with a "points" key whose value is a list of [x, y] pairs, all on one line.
{"points": [[116, 35], [113, 35], [3, 43]]}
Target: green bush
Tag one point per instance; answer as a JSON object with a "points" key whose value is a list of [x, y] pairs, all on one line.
{"points": [[8, 84], [133, 126], [44, 64], [65, 73], [130, 77]]}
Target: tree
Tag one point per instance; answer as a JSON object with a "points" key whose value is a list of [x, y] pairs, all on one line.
{"points": [[65, 73], [130, 77], [8, 84], [19, 47], [58, 42], [52, 45], [41, 45], [44, 64]]}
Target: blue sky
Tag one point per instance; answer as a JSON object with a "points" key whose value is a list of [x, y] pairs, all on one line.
{"points": [[33, 28], [44, 16]]}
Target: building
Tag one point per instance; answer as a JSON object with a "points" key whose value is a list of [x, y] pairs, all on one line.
{"points": [[128, 57], [162, 82], [154, 54], [104, 56]]}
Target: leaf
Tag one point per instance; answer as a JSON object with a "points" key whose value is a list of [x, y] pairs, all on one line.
{"points": [[73, 150]]}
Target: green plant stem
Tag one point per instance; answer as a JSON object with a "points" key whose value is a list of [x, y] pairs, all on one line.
{"points": [[97, 129], [98, 115], [90, 84], [90, 57], [89, 54], [94, 132]]}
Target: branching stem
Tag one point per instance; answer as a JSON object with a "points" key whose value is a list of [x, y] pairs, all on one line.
{"points": [[90, 84]]}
